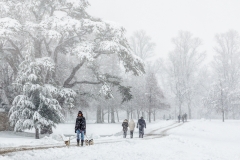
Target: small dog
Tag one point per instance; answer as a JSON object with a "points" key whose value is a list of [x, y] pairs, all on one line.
{"points": [[87, 142], [67, 142]]}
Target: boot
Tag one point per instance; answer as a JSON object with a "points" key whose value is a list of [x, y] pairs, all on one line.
{"points": [[77, 142], [82, 142]]}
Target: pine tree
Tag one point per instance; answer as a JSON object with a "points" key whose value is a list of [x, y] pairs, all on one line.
{"points": [[37, 106]]}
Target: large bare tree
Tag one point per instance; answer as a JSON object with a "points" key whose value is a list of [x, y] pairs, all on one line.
{"points": [[184, 63], [142, 45]]}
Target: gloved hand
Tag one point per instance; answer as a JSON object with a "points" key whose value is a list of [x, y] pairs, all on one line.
{"points": [[85, 133], [75, 131]]}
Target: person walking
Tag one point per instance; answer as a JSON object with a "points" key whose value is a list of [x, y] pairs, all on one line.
{"points": [[141, 123], [179, 117], [80, 127], [185, 116], [125, 128], [131, 125]]}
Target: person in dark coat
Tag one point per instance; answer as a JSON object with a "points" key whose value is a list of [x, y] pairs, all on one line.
{"points": [[80, 127], [141, 125], [125, 128], [179, 117]]}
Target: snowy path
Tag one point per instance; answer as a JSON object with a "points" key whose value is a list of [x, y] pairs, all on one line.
{"points": [[148, 136], [195, 140]]}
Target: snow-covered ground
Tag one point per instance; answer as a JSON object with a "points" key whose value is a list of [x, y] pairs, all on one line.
{"points": [[95, 131], [195, 140]]}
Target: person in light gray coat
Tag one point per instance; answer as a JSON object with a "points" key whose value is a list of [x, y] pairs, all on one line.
{"points": [[131, 126]]}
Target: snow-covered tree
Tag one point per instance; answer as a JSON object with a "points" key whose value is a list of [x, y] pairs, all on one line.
{"points": [[224, 93], [142, 45], [49, 28], [184, 63], [63, 30], [155, 97], [37, 105]]}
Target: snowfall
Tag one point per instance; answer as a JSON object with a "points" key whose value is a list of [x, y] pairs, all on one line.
{"points": [[165, 140]]}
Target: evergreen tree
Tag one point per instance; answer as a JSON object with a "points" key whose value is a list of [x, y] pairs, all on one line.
{"points": [[37, 105]]}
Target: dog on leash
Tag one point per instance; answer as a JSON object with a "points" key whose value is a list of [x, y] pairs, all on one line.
{"points": [[89, 142], [66, 140]]}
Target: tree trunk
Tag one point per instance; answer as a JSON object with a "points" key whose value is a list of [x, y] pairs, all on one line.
{"points": [[37, 49], [226, 114], [189, 111], [233, 113], [223, 116], [143, 114], [138, 114], [108, 114], [154, 115], [99, 117], [149, 117], [102, 115], [36, 133], [180, 109], [131, 114], [112, 115], [134, 115], [117, 115], [128, 114]]}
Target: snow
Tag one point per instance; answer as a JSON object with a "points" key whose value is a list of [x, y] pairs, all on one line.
{"points": [[94, 130], [10, 139], [197, 139]]}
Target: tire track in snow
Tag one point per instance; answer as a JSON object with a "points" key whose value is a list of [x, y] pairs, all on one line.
{"points": [[163, 132]]}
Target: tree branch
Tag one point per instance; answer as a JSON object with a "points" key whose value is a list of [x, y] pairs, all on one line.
{"points": [[16, 48], [81, 82], [47, 47], [74, 71]]}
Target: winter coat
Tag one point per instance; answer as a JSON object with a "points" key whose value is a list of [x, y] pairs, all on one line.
{"points": [[141, 123], [125, 125], [131, 125], [80, 124]]}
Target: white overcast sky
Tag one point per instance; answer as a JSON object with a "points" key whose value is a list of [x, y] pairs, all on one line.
{"points": [[162, 19]]}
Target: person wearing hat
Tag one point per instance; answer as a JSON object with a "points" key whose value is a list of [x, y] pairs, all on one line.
{"points": [[125, 128], [80, 127], [142, 125]]}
